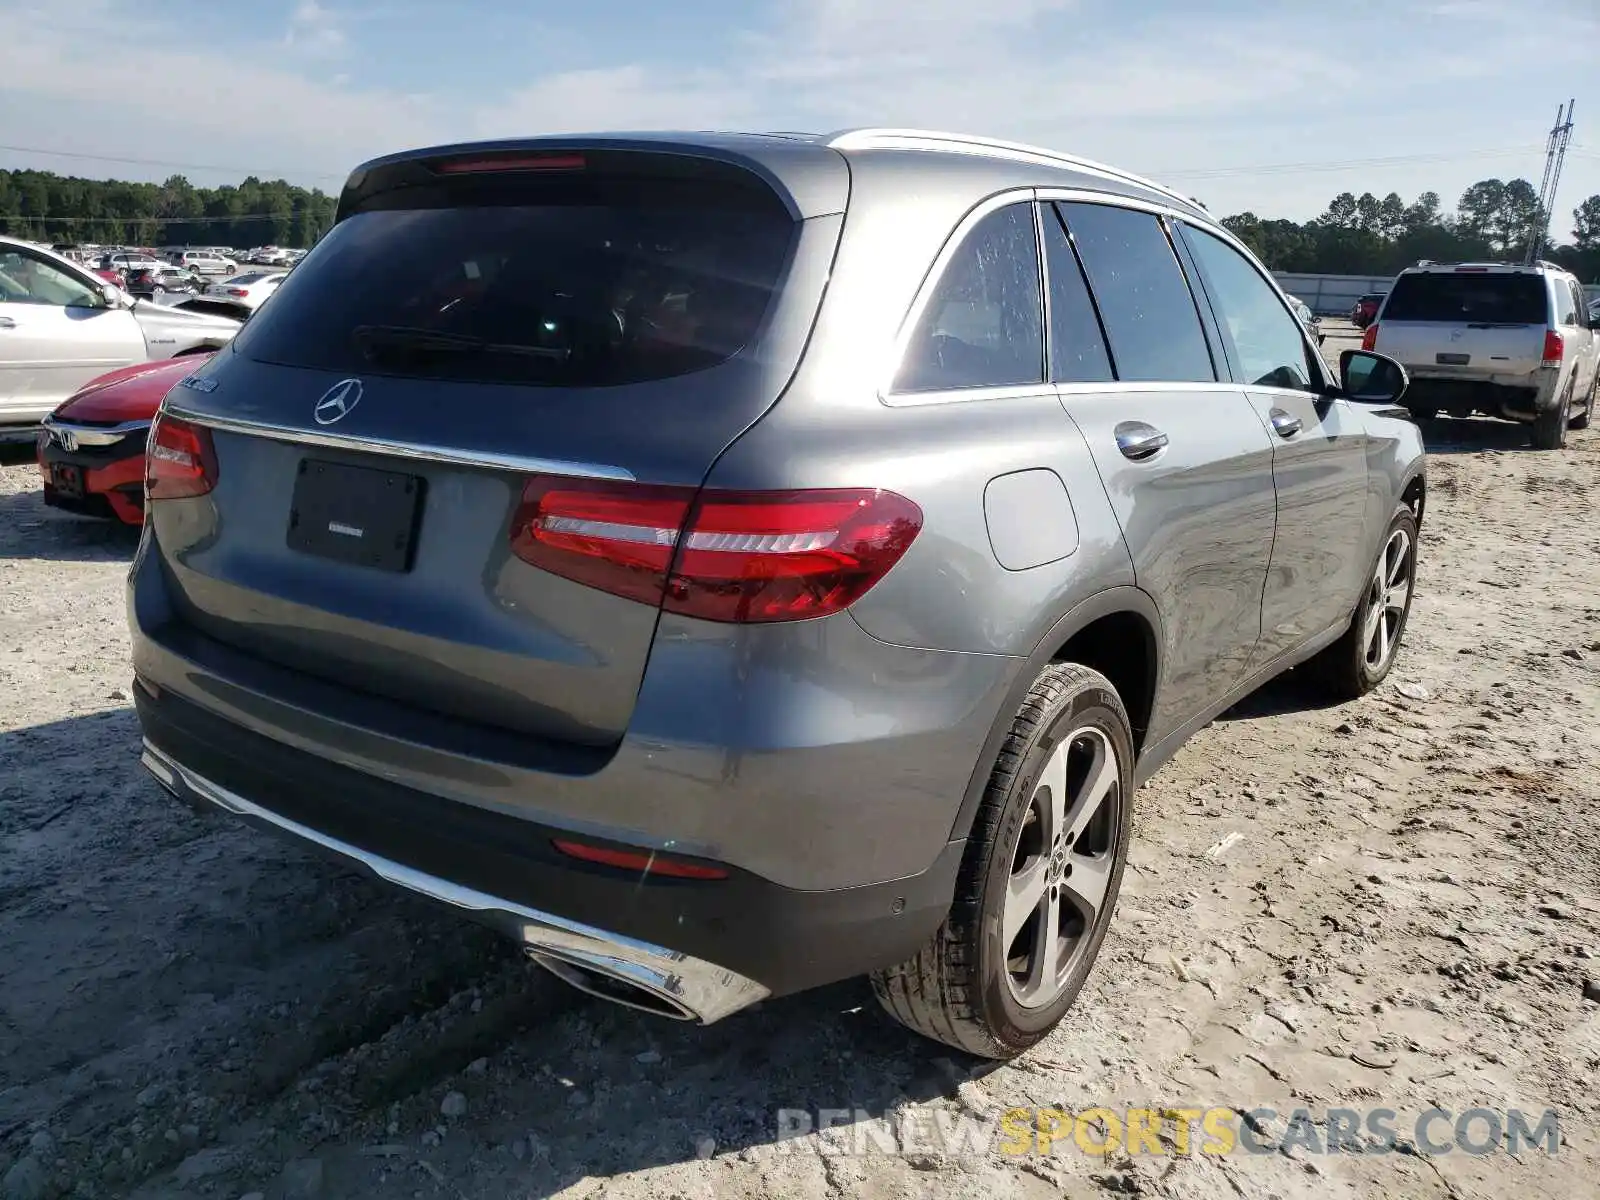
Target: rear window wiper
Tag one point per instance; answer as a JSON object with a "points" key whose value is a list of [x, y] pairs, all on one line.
{"points": [[406, 337]]}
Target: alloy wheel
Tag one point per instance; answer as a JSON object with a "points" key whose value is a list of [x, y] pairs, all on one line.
{"points": [[1061, 866], [1387, 596]]}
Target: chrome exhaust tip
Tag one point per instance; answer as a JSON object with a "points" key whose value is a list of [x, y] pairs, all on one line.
{"points": [[617, 988]]}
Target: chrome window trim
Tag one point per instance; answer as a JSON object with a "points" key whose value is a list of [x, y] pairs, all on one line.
{"points": [[414, 451], [1037, 195]]}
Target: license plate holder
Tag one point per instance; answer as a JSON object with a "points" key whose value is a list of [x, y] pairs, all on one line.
{"points": [[67, 480], [1452, 360], [357, 515]]}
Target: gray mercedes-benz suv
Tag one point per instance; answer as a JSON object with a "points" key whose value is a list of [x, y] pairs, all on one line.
{"points": [[735, 563]]}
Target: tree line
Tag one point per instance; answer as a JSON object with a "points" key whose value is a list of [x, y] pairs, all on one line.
{"points": [[1363, 235], [41, 206]]}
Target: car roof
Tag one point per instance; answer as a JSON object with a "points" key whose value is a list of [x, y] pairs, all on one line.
{"points": [[805, 166]]}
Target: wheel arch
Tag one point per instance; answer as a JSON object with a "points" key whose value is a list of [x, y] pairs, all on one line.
{"points": [[1116, 632]]}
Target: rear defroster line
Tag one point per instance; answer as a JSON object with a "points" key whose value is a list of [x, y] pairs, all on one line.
{"points": [[611, 966]]}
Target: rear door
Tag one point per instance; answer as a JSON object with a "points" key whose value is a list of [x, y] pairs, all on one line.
{"points": [[462, 338], [1185, 460], [1319, 459], [56, 334]]}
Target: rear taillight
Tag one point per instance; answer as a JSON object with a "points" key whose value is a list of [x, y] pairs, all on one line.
{"points": [[180, 460], [1369, 337], [237, 292], [718, 555], [1555, 348]]}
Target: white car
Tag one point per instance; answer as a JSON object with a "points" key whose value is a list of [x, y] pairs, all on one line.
{"points": [[61, 326], [251, 288]]}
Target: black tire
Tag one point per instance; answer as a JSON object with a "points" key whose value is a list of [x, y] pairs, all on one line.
{"points": [[1581, 421], [1550, 426], [1346, 669], [960, 988]]}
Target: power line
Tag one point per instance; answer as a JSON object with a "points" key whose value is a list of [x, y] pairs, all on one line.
{"points": [[157, 162], [1193, 173]]}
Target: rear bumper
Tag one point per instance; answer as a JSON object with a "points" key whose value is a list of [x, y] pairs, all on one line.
{"points": [[1514, 398], [707, 947]]}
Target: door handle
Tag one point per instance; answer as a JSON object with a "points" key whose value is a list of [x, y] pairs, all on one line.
{"points": [[1139, 441], [1285, 425]]}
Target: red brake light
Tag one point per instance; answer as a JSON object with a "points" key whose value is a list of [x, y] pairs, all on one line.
{"points": [[180, 460], [1472, 270], [1554, 348], [237, 292], [524, 162], [722, 555], [643, 861], [1369, 337]]}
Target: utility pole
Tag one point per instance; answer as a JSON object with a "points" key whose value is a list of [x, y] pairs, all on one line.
{"points": [[1555, 154]]}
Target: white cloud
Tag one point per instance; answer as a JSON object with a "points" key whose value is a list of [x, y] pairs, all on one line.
{"points": [[314, 30]]}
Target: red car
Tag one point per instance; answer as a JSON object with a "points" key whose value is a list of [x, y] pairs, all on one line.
{"points": [[91, 449], [1365, 310]]}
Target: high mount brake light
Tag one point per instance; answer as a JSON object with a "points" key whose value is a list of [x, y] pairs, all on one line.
{"points": [[180, 460], [488, 164], [728, 556]]}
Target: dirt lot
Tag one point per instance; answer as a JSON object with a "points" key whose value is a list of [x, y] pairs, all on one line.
{"points": [[1403, 914]]}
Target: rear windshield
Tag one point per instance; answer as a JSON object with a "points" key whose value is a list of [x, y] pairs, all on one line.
{"points": [[1490, 298], [574, 285]]}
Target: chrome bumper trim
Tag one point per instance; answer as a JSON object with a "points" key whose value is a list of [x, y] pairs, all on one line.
{"points": [[708, 991]]}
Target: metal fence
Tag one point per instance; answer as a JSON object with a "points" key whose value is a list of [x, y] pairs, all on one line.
{"points": [[1335, 295]]}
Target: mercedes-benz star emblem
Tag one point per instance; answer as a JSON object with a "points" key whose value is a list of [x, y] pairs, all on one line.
{"points": [[337, 401]]}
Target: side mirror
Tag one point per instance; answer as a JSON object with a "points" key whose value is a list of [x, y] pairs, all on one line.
{"points": [[111, 294], [1371, 378]]}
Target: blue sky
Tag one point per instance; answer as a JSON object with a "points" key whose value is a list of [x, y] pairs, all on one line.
{"points": [[1267, 105]]}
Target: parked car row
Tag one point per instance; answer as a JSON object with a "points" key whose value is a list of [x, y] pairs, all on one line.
{"points": [[733, 563]]}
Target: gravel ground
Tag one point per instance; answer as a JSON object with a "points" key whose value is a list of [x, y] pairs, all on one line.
{"points": [[1393, 903]]}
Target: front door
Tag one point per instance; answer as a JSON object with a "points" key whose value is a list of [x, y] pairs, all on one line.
{"points": [[56, 334]]}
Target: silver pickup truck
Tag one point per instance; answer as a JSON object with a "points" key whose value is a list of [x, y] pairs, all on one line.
{"points": [[1495, 339]]}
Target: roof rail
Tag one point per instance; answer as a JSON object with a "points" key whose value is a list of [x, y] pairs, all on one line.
{"points": [[962, 143]]}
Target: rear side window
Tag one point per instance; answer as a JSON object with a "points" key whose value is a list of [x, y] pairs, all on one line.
{"points": [[1144, 299], [1566, 314], [1496, 298], [581, 283], [1077, 345], [984, 324]]}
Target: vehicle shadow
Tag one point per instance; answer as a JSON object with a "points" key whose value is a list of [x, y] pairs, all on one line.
{"points": [[1291, 692], [273, 972], [31, 529], [1473, 435]]}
